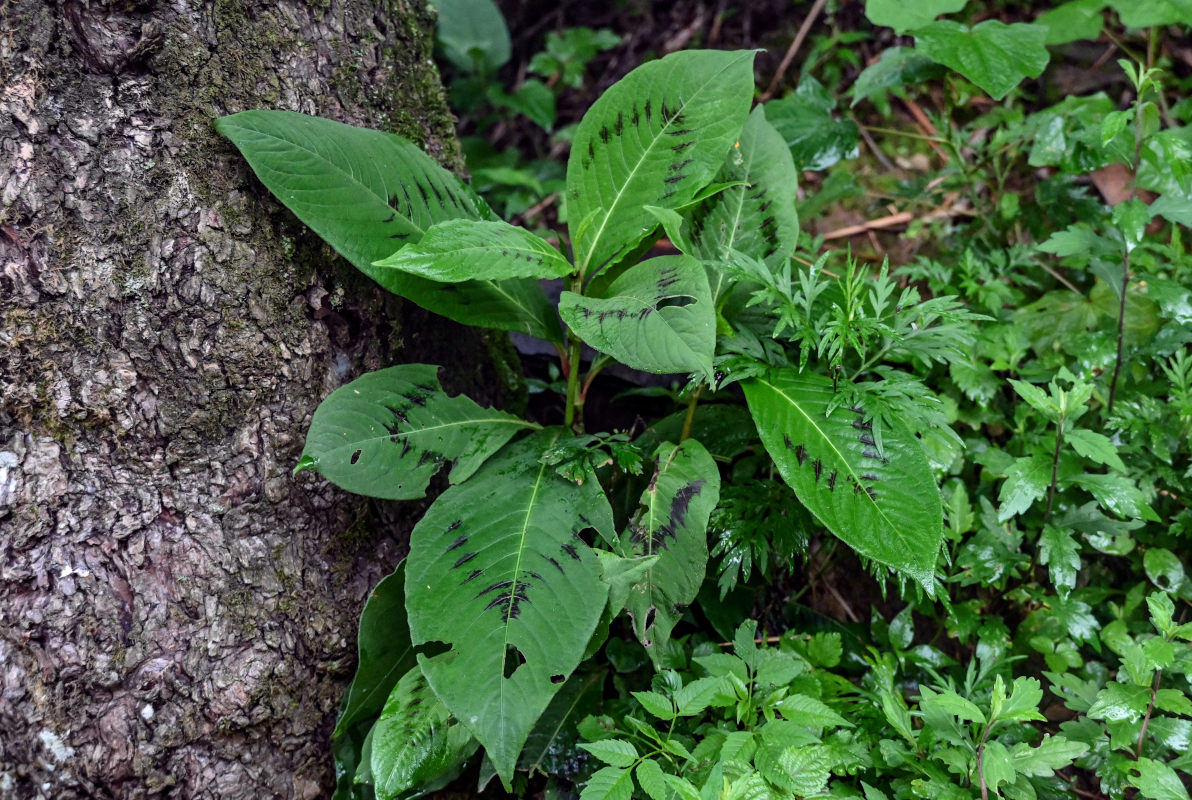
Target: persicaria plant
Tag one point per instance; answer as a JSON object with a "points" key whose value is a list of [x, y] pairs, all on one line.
{"points": [[549, 534]]}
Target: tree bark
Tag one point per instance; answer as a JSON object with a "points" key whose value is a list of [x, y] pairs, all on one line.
{"points": [[177, 613]]}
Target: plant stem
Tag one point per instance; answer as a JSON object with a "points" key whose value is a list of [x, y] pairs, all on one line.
{"points": [[573, 414], [1150, 707], [692, 402], [1055, 466], [981, 762]]}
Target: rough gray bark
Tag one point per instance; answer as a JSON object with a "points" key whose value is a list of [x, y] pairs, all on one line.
{"points": [[177, 613]]}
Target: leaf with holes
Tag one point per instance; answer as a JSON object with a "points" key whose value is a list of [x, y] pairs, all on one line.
{"points": [[657, 317], [385, 653], [368, 193], [671, 523], [499, 570], [756, 215], [386, 433], [656, 137], [415, 742], [464, 249], [882, 501]]}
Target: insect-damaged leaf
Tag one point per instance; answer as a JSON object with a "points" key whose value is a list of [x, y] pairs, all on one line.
{"points": [[656, 137], [464, 249], [657, 317], [882, 501], [671, 523], [756, 217], [415, 741], [368, 193], [499, 571], [386, 433]]}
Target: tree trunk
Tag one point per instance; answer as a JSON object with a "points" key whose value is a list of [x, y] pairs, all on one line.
{"points": [[177, 613]]}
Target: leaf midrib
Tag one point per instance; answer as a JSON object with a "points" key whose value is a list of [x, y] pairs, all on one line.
{"points": [[625, 185], [355, 444], [906, 543]]}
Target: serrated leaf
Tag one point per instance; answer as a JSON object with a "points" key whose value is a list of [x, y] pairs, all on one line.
{"points": [[1023, 703], [991, 54], [498, 570], [756, 216], [884, 504], [1060, 552], [616, 752], [655, 704], [949, 702], [414, 742], [652, 780], [906, 15], [1026, 481], [657, 317], [1118, 494], [801, 770], [1119, 702], [368, 193], [656, 137], [1051, 754], [996, 765], [898, 66], [671, 523], [387, 433], [1077, 240], [385, 652], [1096, 447], [1157, 781], [464, 249], [682, 787], [697, 695], [609, 783], [804, 710]]}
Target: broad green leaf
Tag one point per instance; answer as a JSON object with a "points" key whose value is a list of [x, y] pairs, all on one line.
{"points": [[368, 193], [385, 653], [656, 705], [609, 783], [949, 702], [806, 119], [473, 34], [1072, 21], [1118, 494], [694, 697], [657, 317], [671, 523], [387, 433], [1157, 781], [652, 780], [1022, 704], [884, 503], [801, 770], [1164, 568], [756, 217], [498, 570], [898, 66], [415, 741], [1051, 754], [1078, 240], [1153, 13], [906, 15], [805, 710], [1119, 702], [656, 137], [997, 767], [1060, 553], [1096, 447], [463, 249], [616, 752], [991, 54], [1026, 481]]}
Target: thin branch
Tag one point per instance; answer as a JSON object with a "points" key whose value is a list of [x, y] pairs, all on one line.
{"points": [[804, 29]]}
